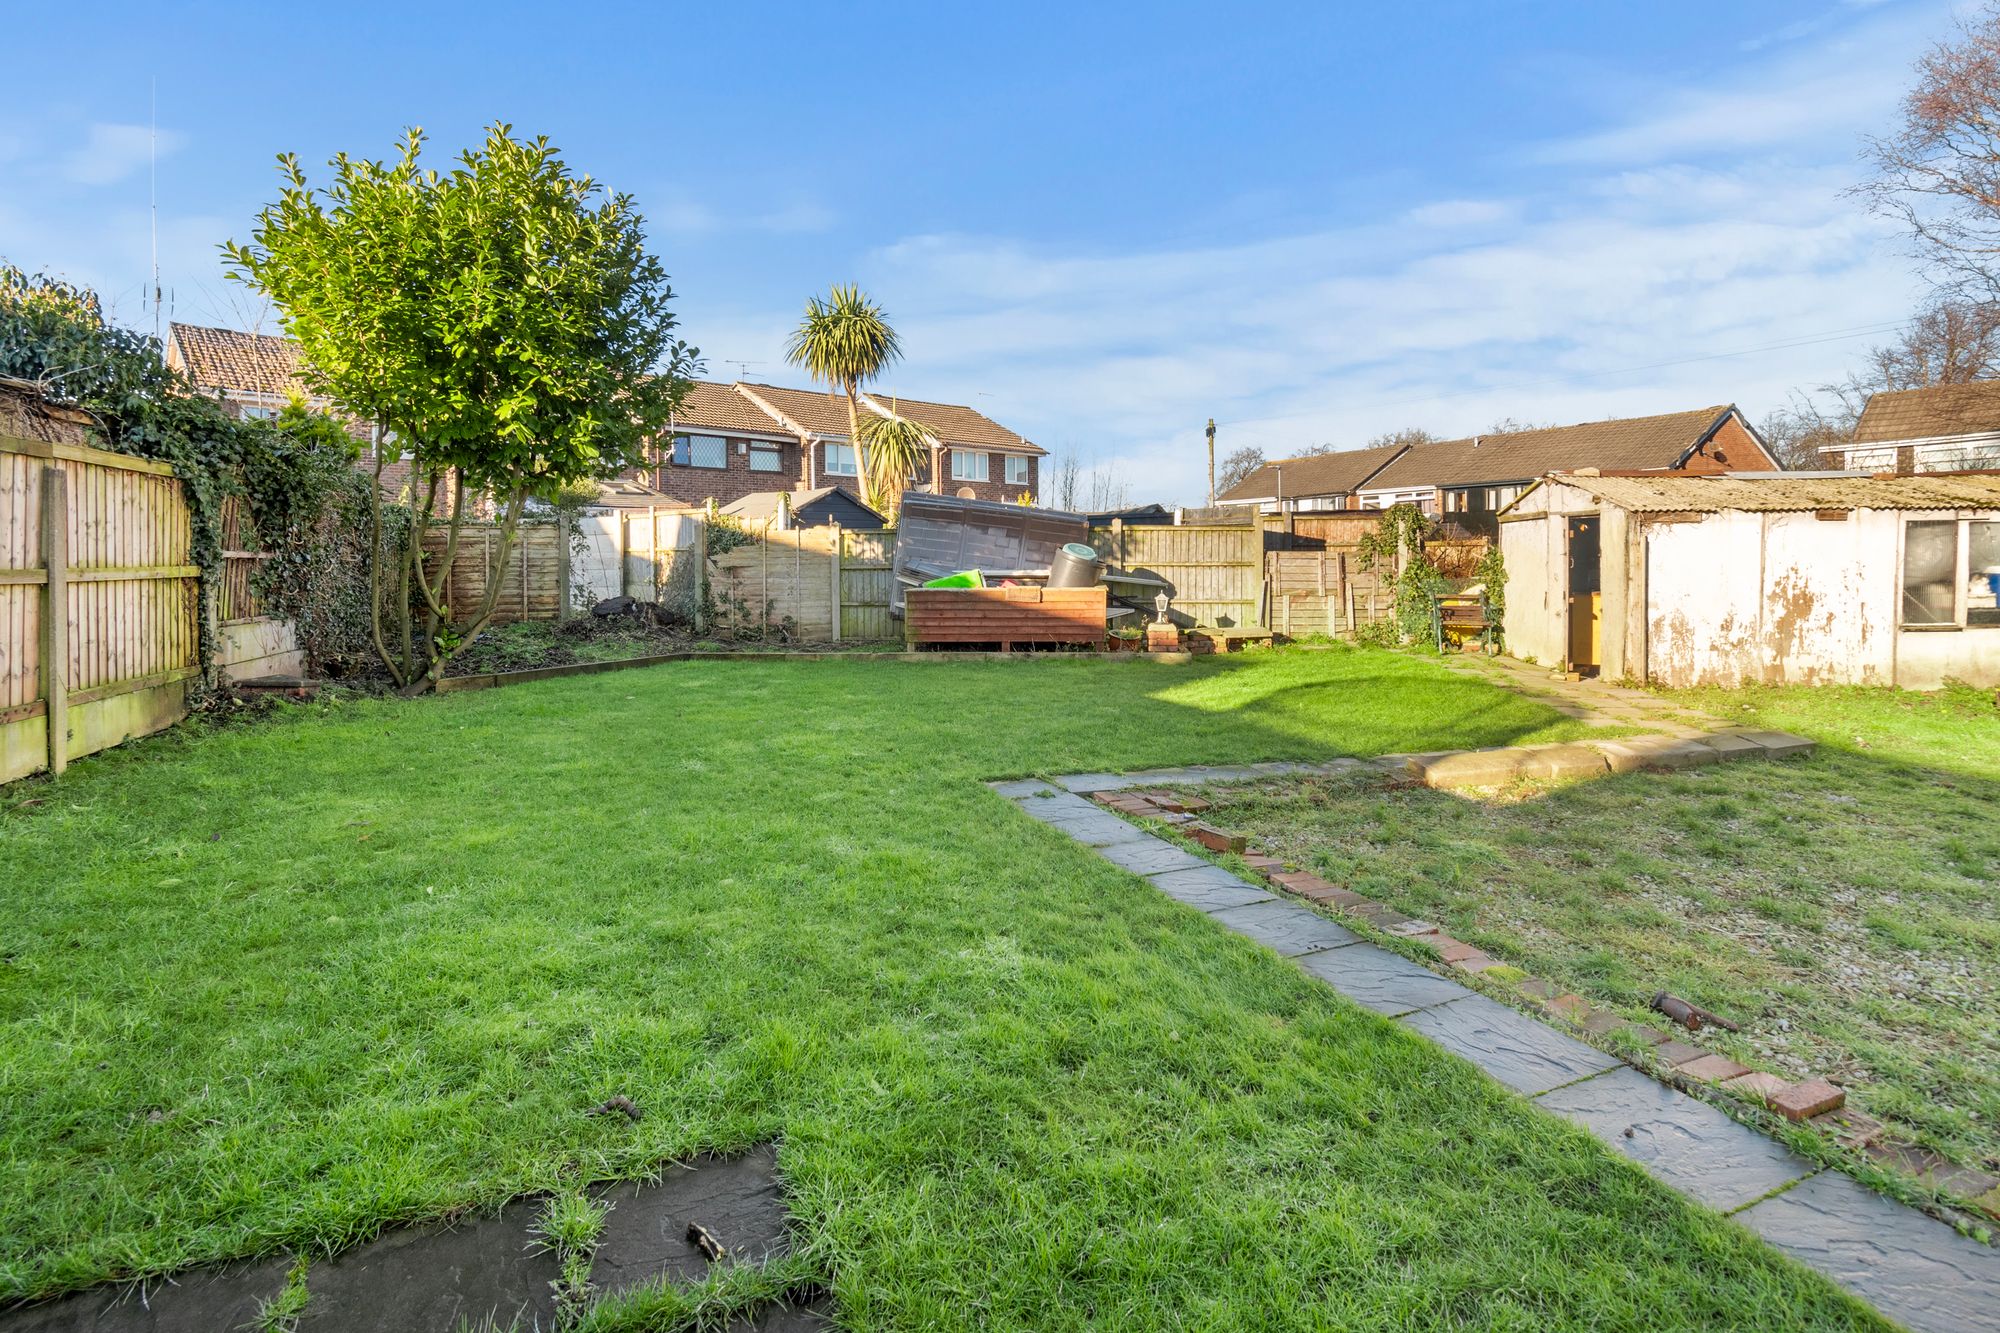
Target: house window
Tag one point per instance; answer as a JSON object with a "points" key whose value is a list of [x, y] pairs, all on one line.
{"points": [[1982, 569], [1017, 470], [701, 451], [968, 465], [249, 413], [1951, 573], [840, 461], [766, 457]]}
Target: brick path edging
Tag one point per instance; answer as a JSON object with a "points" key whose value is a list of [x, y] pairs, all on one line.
{"points": [[1913, 1267]]}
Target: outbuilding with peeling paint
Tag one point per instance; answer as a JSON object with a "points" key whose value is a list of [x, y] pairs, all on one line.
{"points": [[1745, 578]]}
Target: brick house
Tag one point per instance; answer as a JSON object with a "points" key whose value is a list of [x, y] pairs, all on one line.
{"points": [[1314, 482], [1483, 474], [1945, 428], [730, 441], [256, 374]]}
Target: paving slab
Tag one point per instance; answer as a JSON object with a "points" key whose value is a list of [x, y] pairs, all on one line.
{"points": [[1210, 888], [1287, 927], [1056, 809], [1779, 744], [736, 1200], [1731, 746], [1386, 982], [1150, 856], [1525, 1055], [206, 1300], [1680, 1139], [1090, 782], [1101, 829], [1551, 762], [1913, 1268], [1468, 768], [1639, 752], [418, 1280]]}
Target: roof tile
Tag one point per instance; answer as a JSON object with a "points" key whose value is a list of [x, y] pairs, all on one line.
{"points": [[1631, 442], [1923, 414]]}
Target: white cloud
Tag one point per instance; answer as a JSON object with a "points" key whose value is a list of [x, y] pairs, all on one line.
{"points": [[1847, 83], [111, 152]]}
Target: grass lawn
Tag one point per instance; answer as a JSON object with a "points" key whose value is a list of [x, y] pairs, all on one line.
{"points": [[282, 985], [1844, 909]]}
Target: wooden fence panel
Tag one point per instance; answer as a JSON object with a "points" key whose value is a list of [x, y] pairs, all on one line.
{"points": [[776, 576], [110, 659], [1326, 593], [535, 563], [21, 581], [866, 580], [1216, 573]]}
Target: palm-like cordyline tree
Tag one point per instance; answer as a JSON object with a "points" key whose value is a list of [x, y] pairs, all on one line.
{"points": [[843, 342], [898, 445]]}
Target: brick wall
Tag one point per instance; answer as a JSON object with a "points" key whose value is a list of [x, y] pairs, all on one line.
{"points": [[1731, 449], [730, 482], [993, 486]]}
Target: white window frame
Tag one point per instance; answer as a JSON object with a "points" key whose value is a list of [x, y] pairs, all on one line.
{"points": [[1962, 572], [1017, 463], [961, 461], [766, 448], [847, 466], [255, 412]]}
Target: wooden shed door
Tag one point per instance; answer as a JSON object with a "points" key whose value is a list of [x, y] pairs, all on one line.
{"points": [[1586, 606]]}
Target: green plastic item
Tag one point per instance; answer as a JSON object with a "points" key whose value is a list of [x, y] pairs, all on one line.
{"points": [[969, 578]]}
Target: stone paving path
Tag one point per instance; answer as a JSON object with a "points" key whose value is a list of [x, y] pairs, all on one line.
{"points": [[437, 1279], [1595, 703], [1912, 1267]]}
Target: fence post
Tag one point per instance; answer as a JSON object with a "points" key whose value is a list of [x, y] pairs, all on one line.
{"points": [[839, 558], [562, 565], [701, 576], [55, 615]]}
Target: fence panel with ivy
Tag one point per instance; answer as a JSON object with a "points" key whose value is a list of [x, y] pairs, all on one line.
{"points": [[98, 602]]}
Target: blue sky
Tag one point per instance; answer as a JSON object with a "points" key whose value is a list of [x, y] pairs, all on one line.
{"points": [[1100, 226]]}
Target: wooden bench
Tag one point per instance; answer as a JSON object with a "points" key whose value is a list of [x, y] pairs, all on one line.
{"points": [[1461, 614], [1006, 616]]}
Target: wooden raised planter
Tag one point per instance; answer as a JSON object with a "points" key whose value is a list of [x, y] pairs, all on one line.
{"points": [[1006, 616]]}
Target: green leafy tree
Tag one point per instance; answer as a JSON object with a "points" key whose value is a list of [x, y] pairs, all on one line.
{"points": [[502, 323], [843, 342]]}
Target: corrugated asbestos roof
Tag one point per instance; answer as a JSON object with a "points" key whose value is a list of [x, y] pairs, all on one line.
{"points": [[1922, 414], [1338, 473], [1630, 442], [1711, 495]]}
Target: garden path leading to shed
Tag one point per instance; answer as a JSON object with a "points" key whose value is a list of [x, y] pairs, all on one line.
{"points": [[1912, 1267]]}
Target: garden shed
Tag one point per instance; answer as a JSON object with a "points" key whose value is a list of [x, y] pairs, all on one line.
{"points": [[1776, 578]]}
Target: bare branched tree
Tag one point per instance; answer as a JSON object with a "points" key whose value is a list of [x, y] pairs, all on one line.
{"points": [[1407, 435], [1949, 342], [1236, 467], [1939, 171]]}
